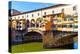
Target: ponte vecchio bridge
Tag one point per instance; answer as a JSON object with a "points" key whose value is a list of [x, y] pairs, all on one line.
{"points": [[58, 28]]}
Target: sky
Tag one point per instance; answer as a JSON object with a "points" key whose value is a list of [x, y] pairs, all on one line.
{"points": [[28, 6]]}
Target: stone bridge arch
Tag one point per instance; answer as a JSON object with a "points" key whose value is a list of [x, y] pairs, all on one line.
{"points": [[36, 30], [33, 36]]}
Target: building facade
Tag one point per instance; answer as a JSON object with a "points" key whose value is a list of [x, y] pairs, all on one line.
{"points": [[62, 16]]}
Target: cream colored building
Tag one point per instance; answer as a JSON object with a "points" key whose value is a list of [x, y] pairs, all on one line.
{"points": [[60, 12]]}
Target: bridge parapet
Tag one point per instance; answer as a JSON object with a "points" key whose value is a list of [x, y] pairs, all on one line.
{"points": [[34, 29]]}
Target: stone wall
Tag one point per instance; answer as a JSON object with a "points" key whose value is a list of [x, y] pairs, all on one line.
{"points": [[50, 41]]}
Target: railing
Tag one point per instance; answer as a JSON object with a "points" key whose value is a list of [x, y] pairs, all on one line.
{"points": [[37, 28]]}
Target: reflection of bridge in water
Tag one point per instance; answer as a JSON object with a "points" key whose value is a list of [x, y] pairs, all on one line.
{"points": [[53, 38]]}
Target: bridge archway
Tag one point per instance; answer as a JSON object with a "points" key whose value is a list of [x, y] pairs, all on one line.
{"points": [[33, 36]]}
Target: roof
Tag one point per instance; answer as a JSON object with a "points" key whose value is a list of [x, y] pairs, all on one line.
{"points": [[14, 12], [42, 9]]}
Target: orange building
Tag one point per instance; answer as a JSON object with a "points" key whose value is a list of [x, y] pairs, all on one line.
{"points": [[48, 26]]}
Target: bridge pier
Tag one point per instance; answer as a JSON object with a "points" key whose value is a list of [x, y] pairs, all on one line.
{"points": [[48, 39]]}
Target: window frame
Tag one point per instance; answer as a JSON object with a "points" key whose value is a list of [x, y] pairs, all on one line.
{"points": [[32, 15], [38, 14], [44, 13], [74, 7], [62, 10], [53, 12]]}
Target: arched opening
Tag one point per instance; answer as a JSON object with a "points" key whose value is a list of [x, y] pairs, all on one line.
{"points": [[27, 23], [32, 37], [13, 24], [32, 23], [39, 22]]}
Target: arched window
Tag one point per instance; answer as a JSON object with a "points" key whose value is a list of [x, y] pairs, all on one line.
{"points": [[39, 22], [13, 23], [18, 25], [28, 23], [32, 23]]}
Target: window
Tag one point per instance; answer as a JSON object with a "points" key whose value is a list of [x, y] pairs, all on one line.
{"points": [[74, 8], [75, 26], [62, 10], [18, 27], [59, 26], [65, 19], [70, 19], [32, 15], [70, 26], [27, 15], [64, 26], [44, 13], [19, 22], [22, 16], [37, 25], [38, 14], [52, 12], [32, 25]]}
